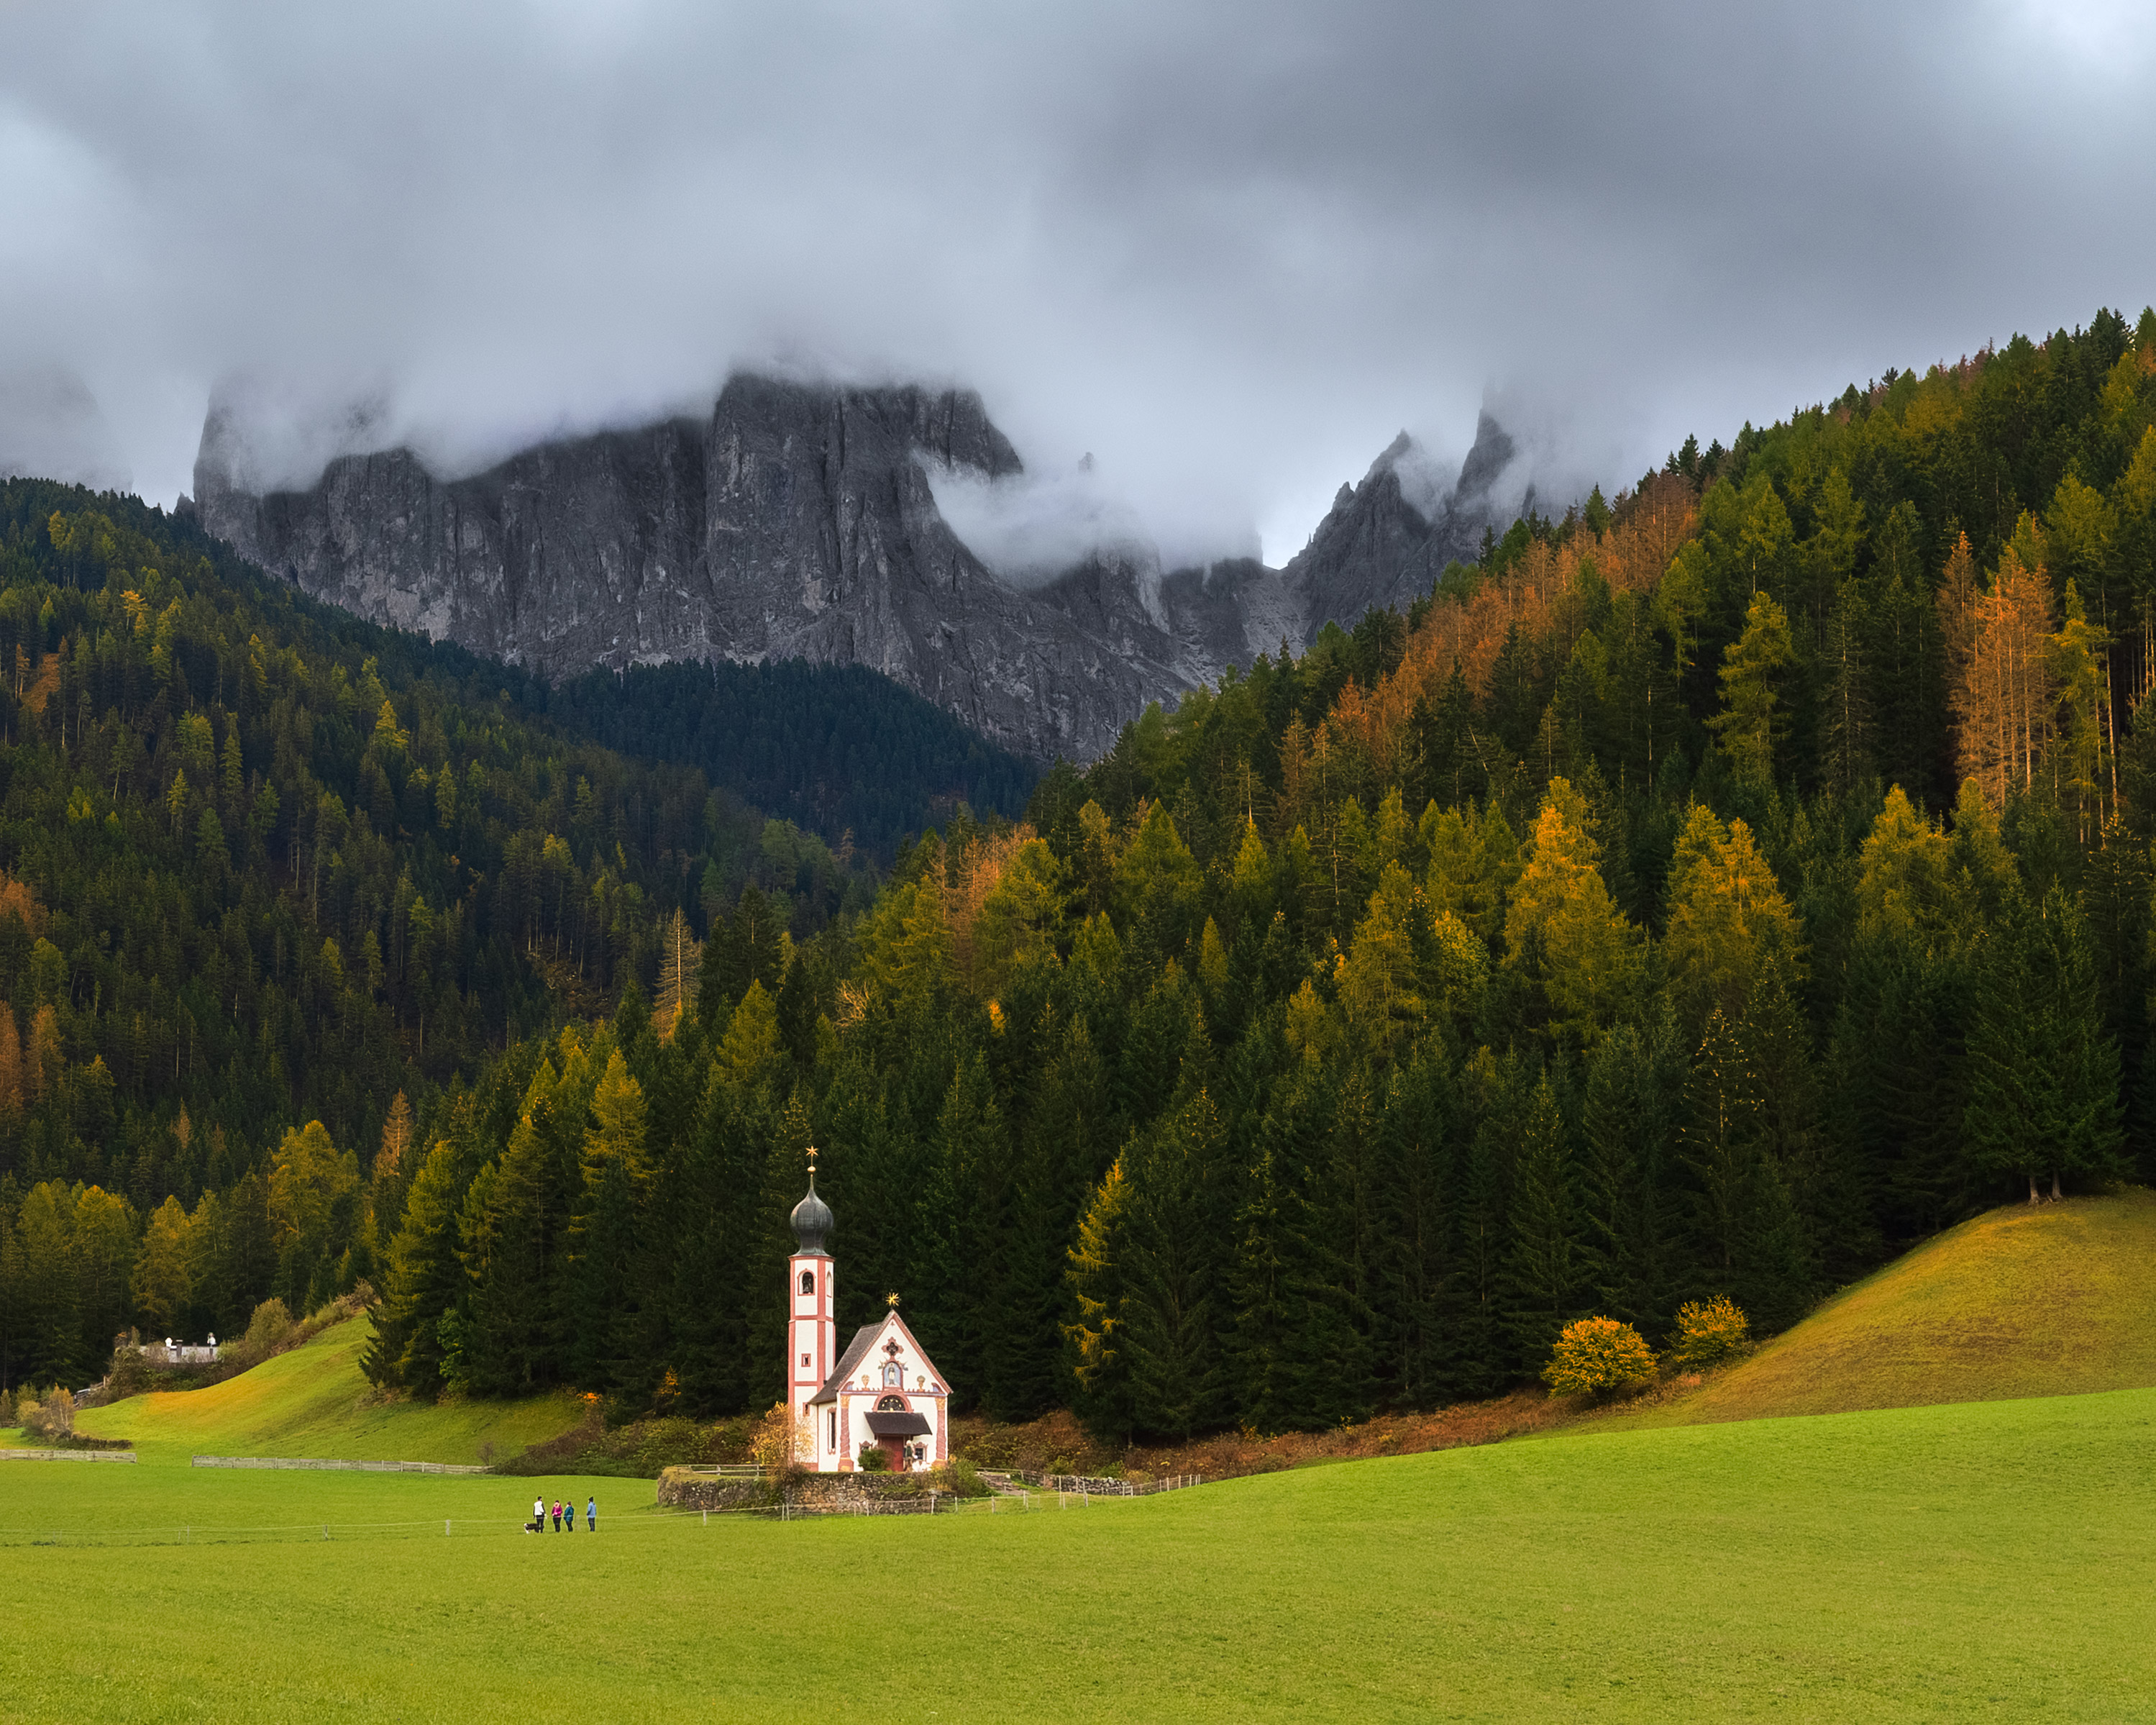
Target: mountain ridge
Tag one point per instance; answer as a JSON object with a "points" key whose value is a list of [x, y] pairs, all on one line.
{"points": [[798, 520]]}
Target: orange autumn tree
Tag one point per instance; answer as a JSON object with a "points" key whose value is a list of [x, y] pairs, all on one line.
{"points": [[2005, 686]]}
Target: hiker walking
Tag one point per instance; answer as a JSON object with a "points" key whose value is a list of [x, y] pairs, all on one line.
{"points": [[538, 1514], [557, 1515], [591, 1515]]}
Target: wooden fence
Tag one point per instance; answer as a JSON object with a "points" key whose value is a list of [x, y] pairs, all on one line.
{"points": [[1086, 1485], [67, 1454], [356, 1467]]}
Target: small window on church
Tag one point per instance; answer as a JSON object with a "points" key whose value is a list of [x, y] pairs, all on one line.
{"points": [[890, 1405], [807, 1281]]}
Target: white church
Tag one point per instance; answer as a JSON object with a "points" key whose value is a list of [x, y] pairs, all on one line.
{"points": [[884, 1393]]}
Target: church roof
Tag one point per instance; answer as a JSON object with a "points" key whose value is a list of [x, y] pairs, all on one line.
{"points": [[857, 1351], [812, 1222]]}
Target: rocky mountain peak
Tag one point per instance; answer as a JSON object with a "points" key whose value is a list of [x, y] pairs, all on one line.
{"points": [[798, 520]]}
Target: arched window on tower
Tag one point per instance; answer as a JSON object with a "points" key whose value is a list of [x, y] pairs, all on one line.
{"points": [[807, 1281]]}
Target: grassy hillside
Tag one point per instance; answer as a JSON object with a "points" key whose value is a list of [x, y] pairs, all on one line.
{"points": [[314, 1401], [1913, 1564], [2056, 1300]]}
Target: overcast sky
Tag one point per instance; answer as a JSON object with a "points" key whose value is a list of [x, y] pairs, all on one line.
{"points": [[1230, 249]]}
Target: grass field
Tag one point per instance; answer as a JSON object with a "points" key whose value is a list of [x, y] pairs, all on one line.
{"points": [[1984, 1558], [2054, 1300], [1969, 1562], [314, 1401]]}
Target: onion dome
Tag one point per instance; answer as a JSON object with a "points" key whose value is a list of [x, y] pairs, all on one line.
{"points": [[812, 1222]]}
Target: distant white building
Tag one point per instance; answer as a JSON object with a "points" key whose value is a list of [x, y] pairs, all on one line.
{"points": [[883, 1393], [170, 1352]]}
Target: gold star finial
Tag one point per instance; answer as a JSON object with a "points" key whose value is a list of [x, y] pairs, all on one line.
{"points": [[812, 1159], [891, 1300]]}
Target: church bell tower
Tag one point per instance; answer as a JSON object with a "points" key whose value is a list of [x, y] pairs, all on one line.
{"points": [[812, 1295]]}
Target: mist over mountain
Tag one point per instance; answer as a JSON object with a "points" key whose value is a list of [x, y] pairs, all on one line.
{"points": [[51, 427], [895, 527]]}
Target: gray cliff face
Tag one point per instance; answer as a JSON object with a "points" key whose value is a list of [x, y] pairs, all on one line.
{"points": [[794, 521], [798, 521], [1377, 548]]}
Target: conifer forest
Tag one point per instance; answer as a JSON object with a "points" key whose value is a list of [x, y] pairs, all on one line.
{"points": [[1711, 892]]}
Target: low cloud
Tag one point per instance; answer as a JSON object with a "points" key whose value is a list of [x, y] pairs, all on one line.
{"points": [[51, 427], [1031, 527], [1230, 249]]}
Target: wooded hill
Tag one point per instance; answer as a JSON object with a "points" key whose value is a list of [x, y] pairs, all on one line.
{"points": [[1708, 891], [262, 864], [841, 750]]}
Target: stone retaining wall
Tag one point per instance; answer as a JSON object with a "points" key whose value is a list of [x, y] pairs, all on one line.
{"points": [[685, 1488]]}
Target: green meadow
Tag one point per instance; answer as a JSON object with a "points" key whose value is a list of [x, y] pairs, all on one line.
{"points": [[1970, 1561], [314, 1401], [1795, 1539]]}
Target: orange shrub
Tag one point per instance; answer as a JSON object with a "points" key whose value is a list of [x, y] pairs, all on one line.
{"points": [[1596, 1355], [1710, 1331]]}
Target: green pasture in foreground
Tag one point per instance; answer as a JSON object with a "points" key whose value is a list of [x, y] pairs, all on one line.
{"points": [[1992, 1560], [2057, 1300], [314, 1401]]}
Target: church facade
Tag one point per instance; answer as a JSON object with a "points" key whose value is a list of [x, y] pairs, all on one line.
{"points": [[883, 1393]]}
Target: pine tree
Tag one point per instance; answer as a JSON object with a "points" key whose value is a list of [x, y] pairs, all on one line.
{"points": [[1415, 1279], [959, 1254], [708, 1318], [1750, 729], [1790, 1183], [2043, 1095], [1721, 1148], [44, 1296], [1848, 730], [1563, 934], [1094, 1334], [1497, 1097], [1628, 1126], [510, 1238], [1547, 1264], [1173, 1273], [425, 1279], [681, 959], [1749, 1241], [248, 1269]]}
